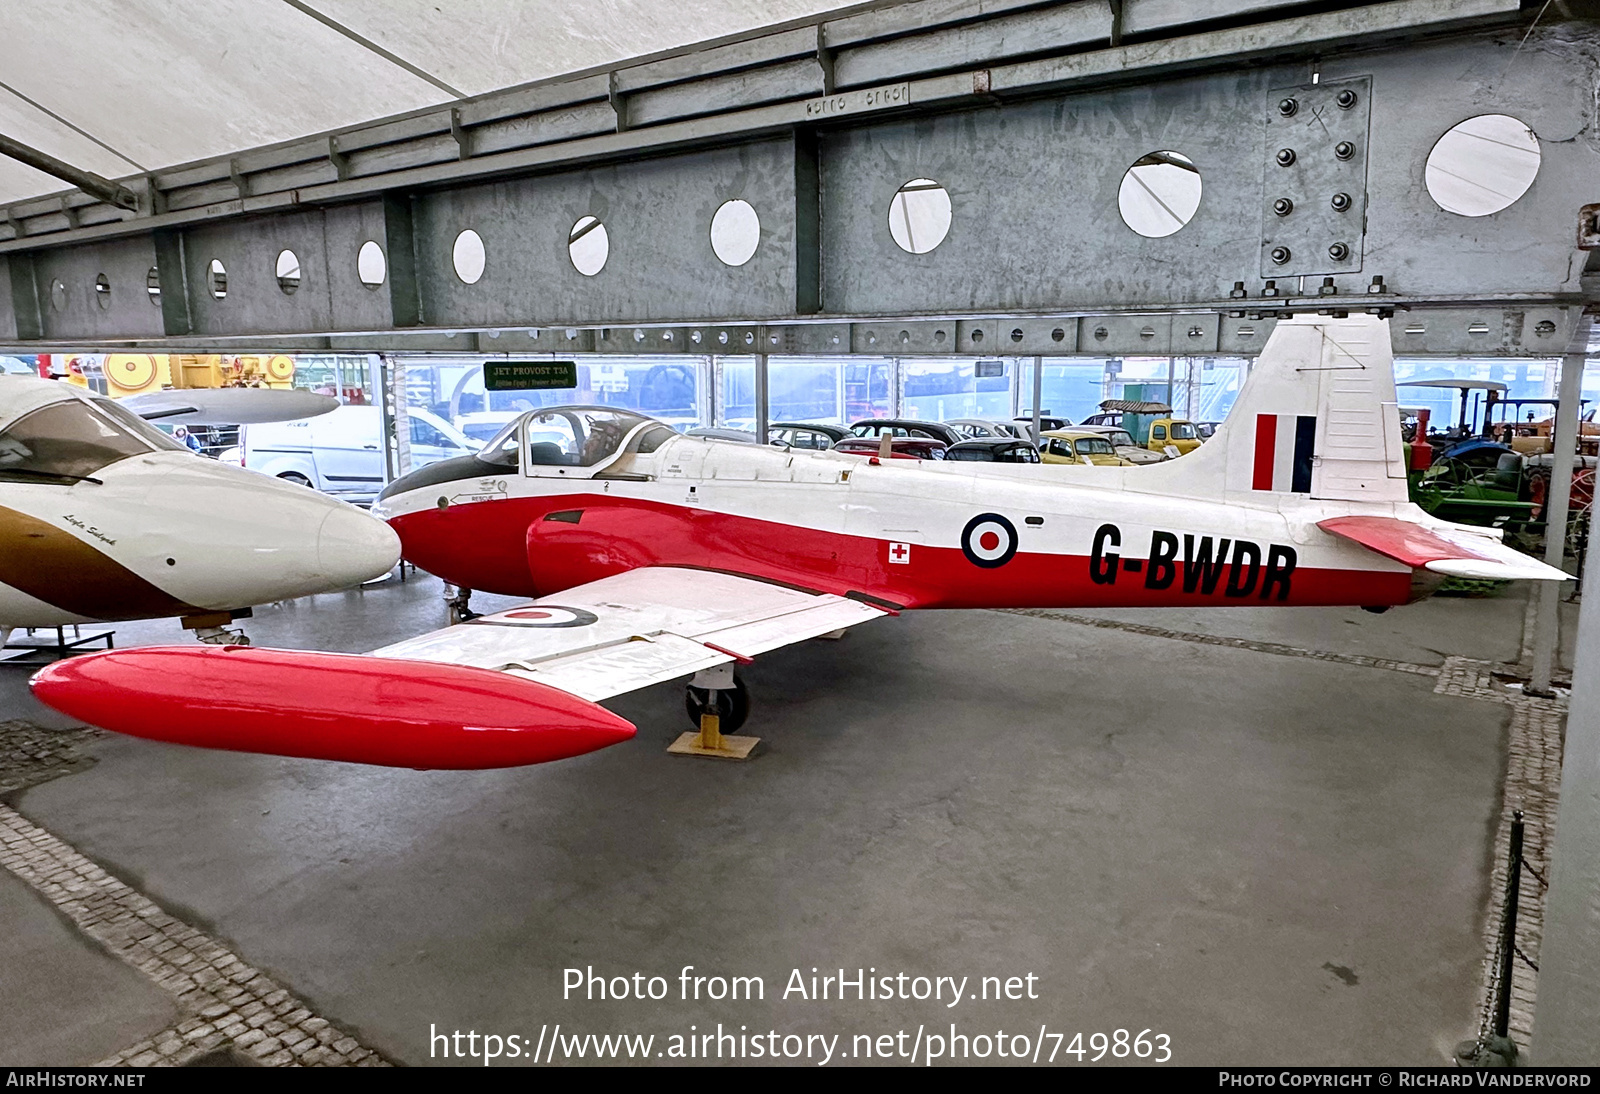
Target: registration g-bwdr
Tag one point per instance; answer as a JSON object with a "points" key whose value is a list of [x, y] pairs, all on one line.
{"points": [[651, 556]]}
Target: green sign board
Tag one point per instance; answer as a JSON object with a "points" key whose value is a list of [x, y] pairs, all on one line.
{"points": [[530, 375]]}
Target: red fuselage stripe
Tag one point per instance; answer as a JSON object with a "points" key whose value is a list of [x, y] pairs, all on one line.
{"points": [[506, 546]]}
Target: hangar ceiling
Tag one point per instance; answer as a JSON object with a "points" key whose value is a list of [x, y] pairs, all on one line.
{"points": [[141, 85]]}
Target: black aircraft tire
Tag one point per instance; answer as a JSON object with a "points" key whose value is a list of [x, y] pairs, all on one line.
{"points": [[732, 705]]}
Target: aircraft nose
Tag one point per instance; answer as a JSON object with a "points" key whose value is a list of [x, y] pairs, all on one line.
{"points": [[353, 547]]}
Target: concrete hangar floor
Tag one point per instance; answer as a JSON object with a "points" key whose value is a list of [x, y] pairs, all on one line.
{"points": [[1266, 834]]}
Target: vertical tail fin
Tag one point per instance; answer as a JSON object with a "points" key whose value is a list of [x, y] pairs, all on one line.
{"points": [[1317, 419]]}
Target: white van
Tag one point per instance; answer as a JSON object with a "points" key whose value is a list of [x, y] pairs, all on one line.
{"points": [[340, 452]]}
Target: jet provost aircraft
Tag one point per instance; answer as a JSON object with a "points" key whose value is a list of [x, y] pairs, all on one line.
{"points": [[655, 556], [104, 517]]}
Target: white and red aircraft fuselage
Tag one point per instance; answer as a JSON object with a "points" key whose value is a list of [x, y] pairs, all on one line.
{"points": [[656, 556]]}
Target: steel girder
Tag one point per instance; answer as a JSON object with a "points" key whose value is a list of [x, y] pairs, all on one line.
{"points": [[1037, 259]]}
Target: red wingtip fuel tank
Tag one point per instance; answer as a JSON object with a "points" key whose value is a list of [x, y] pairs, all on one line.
{"points": [[328, 706]]}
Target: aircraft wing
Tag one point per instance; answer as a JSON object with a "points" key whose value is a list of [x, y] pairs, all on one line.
{"points": [[1451, 551], [516, 687], [638, 628]]}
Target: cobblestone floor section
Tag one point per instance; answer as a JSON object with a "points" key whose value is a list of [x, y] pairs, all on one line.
{"points": [[1532, 785], [30, 755], [230, 1005]]}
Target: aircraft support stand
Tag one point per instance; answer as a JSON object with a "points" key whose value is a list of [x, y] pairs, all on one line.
{"points": [[711, 741]]}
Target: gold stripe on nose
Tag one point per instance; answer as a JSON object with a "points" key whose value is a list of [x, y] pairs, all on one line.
{"points": [[55, 566]]}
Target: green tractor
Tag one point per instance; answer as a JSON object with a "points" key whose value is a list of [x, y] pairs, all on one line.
{"points": [[1487, 486]]}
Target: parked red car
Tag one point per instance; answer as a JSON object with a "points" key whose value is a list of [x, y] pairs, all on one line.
{"points": [[901, 448]]}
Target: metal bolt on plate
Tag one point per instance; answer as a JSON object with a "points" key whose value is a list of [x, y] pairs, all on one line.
{"points": [[1283, 207], [1344, 150], [1285, 157], [1346, 99], [1280, 255], [1287, 107], [1339, 252], [1340, 202]]}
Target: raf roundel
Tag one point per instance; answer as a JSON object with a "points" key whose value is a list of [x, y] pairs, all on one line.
{"points": [[539, 615], [989, 540]]}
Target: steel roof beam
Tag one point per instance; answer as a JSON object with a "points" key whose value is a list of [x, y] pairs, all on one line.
{"points": [[90, 183], [571, 120]]}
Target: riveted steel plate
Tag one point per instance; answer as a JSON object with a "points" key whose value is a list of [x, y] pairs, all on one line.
{"points": [[1314, 178]]}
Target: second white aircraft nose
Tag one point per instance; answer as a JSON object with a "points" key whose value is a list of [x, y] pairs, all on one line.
{"points": [[353, 546]]}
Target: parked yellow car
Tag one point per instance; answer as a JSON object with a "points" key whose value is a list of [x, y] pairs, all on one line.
{"points": [[1079, 446], [1176, 432]]}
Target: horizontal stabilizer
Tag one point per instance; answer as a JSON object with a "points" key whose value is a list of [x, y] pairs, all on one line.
{"points": [[1441, 550]]}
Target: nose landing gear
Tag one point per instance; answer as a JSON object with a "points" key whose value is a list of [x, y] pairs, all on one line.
{"points": [[221, 636], [212, 628], [459, 605]]}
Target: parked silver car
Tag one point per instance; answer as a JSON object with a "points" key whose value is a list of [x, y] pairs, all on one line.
{"points": [[978, 428]]}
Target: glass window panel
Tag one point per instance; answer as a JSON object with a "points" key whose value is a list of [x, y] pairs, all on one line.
{"points": [[1523, 380], [67, 441], [807, 389], [938, 389], [661, 387], [1070, 387], [837, 390], [1219, 381], [736, 395]]}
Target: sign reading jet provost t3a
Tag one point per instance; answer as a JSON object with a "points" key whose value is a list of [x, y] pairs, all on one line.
{"points": [[1283, 452]]}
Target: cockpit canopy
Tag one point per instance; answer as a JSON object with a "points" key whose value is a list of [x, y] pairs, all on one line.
{"points": [[573, 436], [69, 440]]}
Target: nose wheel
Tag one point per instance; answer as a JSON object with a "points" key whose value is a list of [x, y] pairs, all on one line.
{"points": [[459, 606], [221, 636], [731, 705]]}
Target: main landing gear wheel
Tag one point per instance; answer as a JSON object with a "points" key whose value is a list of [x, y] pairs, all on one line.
{"points": [[730, 705]]}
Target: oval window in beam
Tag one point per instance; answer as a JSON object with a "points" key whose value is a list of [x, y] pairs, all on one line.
{"points": [[919, 216], [287, 270], [468, 257], [371, 267], [735, 232], [1482, 165], [1159, 194], [588, 245]]}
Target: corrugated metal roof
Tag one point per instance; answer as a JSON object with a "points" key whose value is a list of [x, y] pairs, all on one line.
{"points": [[1128, 406], [137, 85]]}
